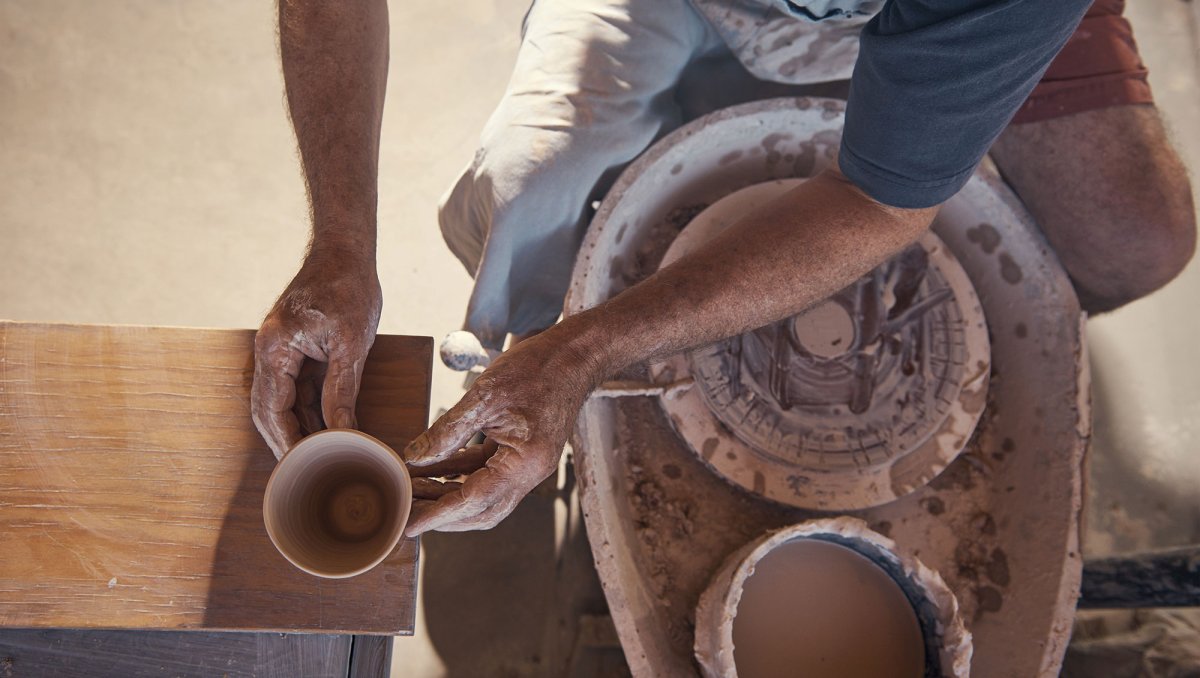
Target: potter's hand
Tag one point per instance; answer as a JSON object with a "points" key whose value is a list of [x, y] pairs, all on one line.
{"points": [[525, 403], [776, 261], [315, 341]]}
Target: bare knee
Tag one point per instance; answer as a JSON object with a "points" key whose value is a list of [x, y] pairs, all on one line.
{"points": [[1136, 250], [1111, 196]]}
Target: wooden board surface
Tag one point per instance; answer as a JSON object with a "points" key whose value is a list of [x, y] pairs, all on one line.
{"points": [[55, 653], [131, 484]]}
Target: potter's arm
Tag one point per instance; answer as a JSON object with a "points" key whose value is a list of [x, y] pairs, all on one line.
{"points": [[787, 255], [773, 263], [335, 62], [335, 72], [334, 57]]}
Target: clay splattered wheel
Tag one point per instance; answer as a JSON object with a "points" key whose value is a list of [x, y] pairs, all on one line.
{"points": [[661, 522], [859, 400]]}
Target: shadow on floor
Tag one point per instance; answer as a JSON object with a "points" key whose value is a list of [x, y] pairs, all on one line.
{"points": [[507, 603]]}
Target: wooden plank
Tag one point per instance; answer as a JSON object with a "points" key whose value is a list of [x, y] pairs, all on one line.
{"points": [[131, 482], [371, 657], [55, 653]]}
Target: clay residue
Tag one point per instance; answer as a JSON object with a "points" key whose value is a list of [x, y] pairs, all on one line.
{"points": [[1009, 270], [1006, 448], [854, 381], [988, 239], [729, 157], [653, 245], [820, 46], [772, 140], [621, 232], [769, 144], [959, 475], [997, 567], [986, 236], [989, 599], [934, 505], [662, 520], [686, 519], [980, 565], [805, 160]]}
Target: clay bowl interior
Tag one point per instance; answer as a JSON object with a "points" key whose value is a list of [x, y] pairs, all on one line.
{"points": [[844, 575], [337, 504]]}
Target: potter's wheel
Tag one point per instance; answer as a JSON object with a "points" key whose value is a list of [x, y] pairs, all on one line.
{"points": [[1000, 523], [854, 402]]}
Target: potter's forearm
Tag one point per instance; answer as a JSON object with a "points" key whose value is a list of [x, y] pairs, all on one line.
{"points": [[776, 261], [334, 57]]}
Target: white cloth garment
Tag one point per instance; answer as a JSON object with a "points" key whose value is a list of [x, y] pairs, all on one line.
{"points": [[594, 85]]}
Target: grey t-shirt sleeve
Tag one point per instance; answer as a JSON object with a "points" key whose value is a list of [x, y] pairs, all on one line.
{"points": [[935, 83]]}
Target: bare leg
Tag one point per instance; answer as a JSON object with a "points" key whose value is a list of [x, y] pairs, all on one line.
{"points": [[1110, 194]]}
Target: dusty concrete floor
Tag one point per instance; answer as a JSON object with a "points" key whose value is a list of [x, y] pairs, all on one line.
{"points": [[148, 176]]}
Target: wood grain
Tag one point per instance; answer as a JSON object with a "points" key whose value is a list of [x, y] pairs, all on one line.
{"points": [[131, 483], [370, 657], [145, 654]]}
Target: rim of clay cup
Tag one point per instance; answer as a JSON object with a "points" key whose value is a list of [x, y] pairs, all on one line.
{"points": [[401, 522], [936, 607]]}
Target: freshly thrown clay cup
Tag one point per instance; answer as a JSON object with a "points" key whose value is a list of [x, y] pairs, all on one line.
{"points": [[337, 503]]}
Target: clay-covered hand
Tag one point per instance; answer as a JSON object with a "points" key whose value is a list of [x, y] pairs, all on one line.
{"points": [[310, 350], [525, 403]]}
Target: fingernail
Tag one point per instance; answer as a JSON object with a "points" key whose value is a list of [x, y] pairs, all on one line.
{"points": [[417, 449], [343, 418]]}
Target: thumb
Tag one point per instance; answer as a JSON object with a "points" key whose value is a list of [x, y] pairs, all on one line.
{"points": [[451, 432], [340, 391]]}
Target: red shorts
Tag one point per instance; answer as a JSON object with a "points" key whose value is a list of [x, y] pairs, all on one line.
{"points": [[1098, 67]]}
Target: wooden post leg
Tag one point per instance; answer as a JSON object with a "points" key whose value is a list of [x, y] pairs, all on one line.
{"points": [[1168, 578], [370, 657]]}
